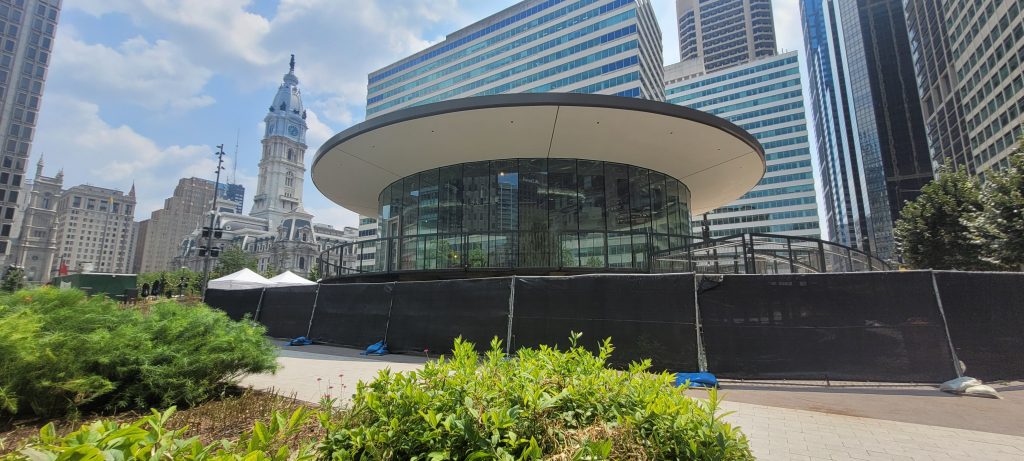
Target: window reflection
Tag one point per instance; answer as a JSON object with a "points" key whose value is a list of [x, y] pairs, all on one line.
{"points": [[531, 213]]}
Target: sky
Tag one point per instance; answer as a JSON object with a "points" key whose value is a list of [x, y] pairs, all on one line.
{"points": [[141, 91]]}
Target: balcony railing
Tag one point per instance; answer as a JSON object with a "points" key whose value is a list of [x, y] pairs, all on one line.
{"points": [[593, 251]]}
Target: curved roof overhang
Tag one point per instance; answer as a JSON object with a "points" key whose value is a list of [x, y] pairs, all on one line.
{"points": [[716, 159]]}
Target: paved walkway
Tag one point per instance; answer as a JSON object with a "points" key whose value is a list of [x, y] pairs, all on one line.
{"points": [[775, 432]]}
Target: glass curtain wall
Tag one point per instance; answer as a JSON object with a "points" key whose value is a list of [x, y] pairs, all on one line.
{"points": [[531, 213]]}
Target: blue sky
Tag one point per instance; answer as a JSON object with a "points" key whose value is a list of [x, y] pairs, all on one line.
{"points": [[139, 91]]}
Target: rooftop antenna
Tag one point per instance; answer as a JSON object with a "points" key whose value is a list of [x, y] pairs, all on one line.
{"points": [[234, 163]]}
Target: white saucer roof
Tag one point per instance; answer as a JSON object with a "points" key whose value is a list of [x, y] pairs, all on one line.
{"points": [[716, 159]]}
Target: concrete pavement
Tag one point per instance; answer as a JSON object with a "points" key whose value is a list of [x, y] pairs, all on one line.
{"points": [[777, 421]]}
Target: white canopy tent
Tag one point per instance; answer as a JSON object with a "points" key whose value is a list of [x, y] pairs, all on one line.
{"points": [[290, 279], [244, 279]]}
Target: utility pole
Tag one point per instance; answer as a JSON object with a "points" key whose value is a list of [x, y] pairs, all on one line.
{"points": [[213, 219]]}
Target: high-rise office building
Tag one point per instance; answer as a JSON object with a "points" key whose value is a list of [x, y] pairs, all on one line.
{"points": [[723, 33], [872, 146], [25, 49], [234, 193], [183, 212], [969, 56], [95, 229], [941, 105], [764, 97], [535, 46]]}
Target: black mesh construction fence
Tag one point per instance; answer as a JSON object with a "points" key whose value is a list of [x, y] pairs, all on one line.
{"points": [[236, 303], [286, 311], [430, 315], [647, 316], [853, 326], [354, 314], [985, 311]]}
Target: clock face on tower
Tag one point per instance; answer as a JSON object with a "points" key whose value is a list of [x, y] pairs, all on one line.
{"points": [[293, 130]]}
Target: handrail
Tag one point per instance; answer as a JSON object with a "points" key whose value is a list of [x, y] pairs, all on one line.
{"points": [[751, 252]]}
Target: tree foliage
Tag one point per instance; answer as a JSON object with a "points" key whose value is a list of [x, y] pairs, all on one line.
{"points": [[935, 231], [14, 279], [234, 259], [958, 223], [1002, 222]]}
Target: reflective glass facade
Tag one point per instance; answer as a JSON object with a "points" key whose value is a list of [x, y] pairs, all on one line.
{"points": [[873, 149], [763, 97], [531, 213], [536, 46]]}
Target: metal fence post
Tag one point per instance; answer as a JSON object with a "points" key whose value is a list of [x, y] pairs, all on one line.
{"points": [[511, 315], [316, 298], [945, 325]]}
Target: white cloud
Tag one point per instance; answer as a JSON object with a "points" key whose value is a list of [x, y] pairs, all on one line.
{"points": [[153, 75], [97, 152]]}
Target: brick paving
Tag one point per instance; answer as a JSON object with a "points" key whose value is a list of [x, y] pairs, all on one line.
{"points": [[775, 433]]}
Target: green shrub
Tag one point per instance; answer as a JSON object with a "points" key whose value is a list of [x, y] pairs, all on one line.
{"points": [[150, 439], [541, 403], [63, 351]]}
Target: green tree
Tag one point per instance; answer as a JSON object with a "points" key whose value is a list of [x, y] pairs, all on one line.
{"points": [[1002, 223], [936, 230], [233, 259], [14, 279], [314, 272]]}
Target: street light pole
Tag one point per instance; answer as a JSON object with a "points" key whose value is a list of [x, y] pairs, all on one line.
{"points": [[213, 218]]}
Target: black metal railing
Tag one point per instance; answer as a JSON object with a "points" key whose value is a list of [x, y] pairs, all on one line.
{"points": [[756, 253], [594, 251]]}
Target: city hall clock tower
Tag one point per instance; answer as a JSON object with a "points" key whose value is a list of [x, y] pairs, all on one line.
{"points": [[282, 164]]}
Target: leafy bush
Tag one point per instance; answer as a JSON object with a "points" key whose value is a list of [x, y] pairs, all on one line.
{"points": [[63, 351], [540, 404], [150, 439]]}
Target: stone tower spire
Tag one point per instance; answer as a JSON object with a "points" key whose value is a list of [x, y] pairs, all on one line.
{"points": [[282, 164]]}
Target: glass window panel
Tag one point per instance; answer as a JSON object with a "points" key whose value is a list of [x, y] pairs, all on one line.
{"points": [[640, 213], [448, 252], [640, 199], [503, 249], [428, 252], [591, 195], [476, 177], [534, 242], [450, 199], [658, 218], [563, 212], [395, 207], [620, 250], [408, 259], [617, 196], [478, 250], [672, 206], [504, 195], [428, 202], [592, 249], [410, 205]]}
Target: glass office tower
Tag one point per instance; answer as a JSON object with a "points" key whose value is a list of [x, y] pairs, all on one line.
{"points": [[536, 46], [765, 98], [873, 150]]}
